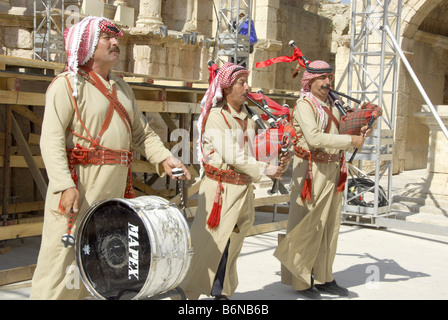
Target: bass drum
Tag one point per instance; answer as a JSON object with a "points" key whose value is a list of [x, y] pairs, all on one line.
{"points": [[132, 248]]}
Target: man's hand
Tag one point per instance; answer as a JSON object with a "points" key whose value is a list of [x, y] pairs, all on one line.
{"points": [[170, 163], [357, 141], [274, 172], [284, 160], [366, 132], [69, 200]]}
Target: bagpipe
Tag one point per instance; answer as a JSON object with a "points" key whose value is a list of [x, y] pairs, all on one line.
{"points": [[352, 120], [274, 140]]}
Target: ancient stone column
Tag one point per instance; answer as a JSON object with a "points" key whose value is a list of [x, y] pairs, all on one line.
{"points": [[190, 25], [124, 14], [150, 14]]}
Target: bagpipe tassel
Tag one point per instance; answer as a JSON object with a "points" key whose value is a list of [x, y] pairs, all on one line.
{"points": [[307, 186], [215, 215], [342, 176], [129, 191]]}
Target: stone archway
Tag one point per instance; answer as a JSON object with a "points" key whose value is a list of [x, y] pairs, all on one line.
{"points": [[425, 42]]}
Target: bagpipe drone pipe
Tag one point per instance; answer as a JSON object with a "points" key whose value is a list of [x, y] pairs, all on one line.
{"points": [[352, 120]]}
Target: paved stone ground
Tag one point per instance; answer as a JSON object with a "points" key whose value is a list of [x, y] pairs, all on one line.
{"points": [[373, 263]]}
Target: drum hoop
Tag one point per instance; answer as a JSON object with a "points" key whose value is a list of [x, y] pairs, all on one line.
{"points": [[155, 254]]}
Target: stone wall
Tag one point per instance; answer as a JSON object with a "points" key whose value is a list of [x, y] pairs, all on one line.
{"points": [[425, 43], [278, 22], [320, 29], [169, 56]]}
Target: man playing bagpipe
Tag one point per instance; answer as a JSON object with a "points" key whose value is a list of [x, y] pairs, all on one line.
{"points": [[226, 198], [319, 174]]}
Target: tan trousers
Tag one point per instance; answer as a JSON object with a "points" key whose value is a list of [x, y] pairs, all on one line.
{"points": [[237, 216], [309, 247], [57, 275]]}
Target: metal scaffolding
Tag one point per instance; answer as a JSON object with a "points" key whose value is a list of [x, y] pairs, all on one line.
{"points": [[372, 77], [48, 34], [232, 45]]}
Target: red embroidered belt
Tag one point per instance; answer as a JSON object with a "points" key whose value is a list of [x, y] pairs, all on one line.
{"points": [[226, 176], [317, 156], [222, 176], [92, 156]]}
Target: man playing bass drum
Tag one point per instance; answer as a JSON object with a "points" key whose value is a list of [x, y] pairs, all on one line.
{"points": [[319, 174], [91, 127]]}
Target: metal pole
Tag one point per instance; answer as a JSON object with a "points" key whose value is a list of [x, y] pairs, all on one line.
{"points": [[417, 82]]}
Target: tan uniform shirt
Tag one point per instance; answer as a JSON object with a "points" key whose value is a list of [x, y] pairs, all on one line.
{"points": [[56, 265]]}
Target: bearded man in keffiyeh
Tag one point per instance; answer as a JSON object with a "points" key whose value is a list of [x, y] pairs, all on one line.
{"points": [[319, 173], [91, 127], [225, 199]]}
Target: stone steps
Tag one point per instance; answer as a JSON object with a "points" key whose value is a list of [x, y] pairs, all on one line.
{"points": [[425, 218], [420, 205], [421, 208]]}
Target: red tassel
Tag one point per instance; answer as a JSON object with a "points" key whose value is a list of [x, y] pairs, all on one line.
{"points": [[342, 176], [307, 186], [215, 215], [129, 191]]}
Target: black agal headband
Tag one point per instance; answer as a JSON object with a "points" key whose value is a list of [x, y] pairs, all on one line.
{"points": [[316, 70]]}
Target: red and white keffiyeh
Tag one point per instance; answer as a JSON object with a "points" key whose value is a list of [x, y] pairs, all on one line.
{"points": [[81, 40], [306, 85], [214, 94]]}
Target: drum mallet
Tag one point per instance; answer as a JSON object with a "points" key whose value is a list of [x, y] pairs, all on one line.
{"points": [[67, 239]]}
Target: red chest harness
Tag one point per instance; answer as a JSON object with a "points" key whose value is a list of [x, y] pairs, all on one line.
{"points": [[97, 154], [321, 157]]}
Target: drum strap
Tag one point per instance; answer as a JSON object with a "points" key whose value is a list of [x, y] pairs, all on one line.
{"points": [[93, 78]]}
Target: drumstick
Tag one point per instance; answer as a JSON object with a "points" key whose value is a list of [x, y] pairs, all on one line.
{"points": [[67, 239]]}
